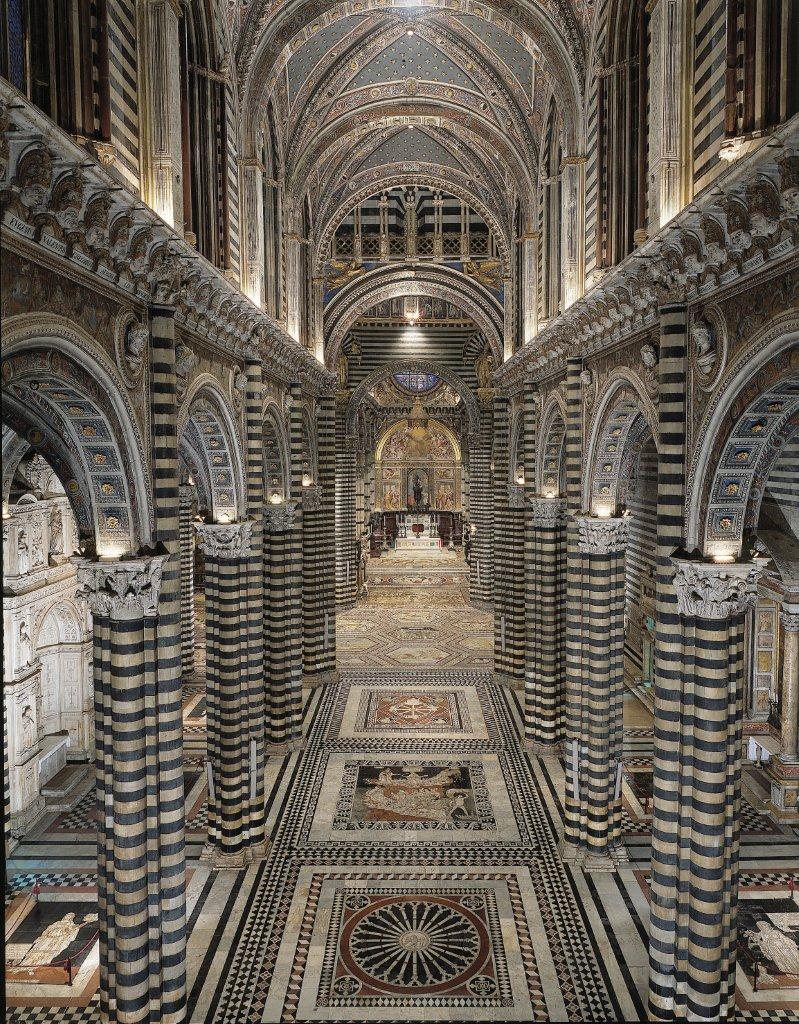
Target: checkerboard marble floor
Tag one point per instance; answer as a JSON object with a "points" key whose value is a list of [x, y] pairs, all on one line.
{"points": [[413, 874]]}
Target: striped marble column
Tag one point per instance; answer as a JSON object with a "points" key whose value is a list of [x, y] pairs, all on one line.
{"points": [[481, 577], [167, 869], [696, 817], [188, 510], [503, 584], [255, 722], [232, 763], [595, 677], [346, 567], [319, 567], [545, 593], [135, 916], [573, 458], [283, 681]]}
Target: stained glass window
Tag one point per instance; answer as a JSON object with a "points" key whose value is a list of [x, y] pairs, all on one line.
{"points": [[417, 382]]}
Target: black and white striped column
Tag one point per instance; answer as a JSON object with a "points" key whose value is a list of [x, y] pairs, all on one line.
{"points": [[503, 584], [545, 625], [138, 946], [283, 664], [167, 870], [233, 756], [188, 511], [595, 677], [696, 826], [481, 576], [346, 561], [255, 724], [319, 556]]}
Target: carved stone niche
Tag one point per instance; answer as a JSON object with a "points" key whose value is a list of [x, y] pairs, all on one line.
{"points": [[708, 347]]}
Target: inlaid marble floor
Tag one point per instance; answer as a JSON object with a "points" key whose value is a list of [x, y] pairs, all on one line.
{"points": [[413, 874]]}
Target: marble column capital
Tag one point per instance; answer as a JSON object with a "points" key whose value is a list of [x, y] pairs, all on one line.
{"points": [[311, 498], [790, 621], [601, 535], [516, 495], [225, 540], [187, 494], [126, 589], [716, 590], [280, 518], [547, 512]]}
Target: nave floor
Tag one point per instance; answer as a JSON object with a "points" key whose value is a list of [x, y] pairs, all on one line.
{"points": [[413, 873]]}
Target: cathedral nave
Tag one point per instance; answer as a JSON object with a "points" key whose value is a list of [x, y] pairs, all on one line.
{"points": [[400, 500]]}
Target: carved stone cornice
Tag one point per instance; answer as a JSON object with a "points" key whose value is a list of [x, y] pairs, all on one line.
{"points": [[601, 535], [225, 540], [548, 512], [280, 518], [311, 498], [790, 621], [56, 200], [127, 589], [716, 590]]}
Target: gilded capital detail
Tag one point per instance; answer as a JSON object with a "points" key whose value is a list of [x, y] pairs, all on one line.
{"points": [[600, 535], [712, 590], [127, 589], [225, 540]]}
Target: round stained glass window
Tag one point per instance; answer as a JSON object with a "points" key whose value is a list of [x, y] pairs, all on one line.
{"points": [[416, 382]]}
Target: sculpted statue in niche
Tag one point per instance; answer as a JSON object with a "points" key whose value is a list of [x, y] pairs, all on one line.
{"points": [[37, 543], [56, 535], [28, 728], [25, 645], [239, 389], [705, 342], [136, 337], [484, 367], [23, 553]]}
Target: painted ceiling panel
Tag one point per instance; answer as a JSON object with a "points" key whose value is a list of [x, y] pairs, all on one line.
{"points": [[318, 46], [412, 57], [409, 145], [516, 58]]}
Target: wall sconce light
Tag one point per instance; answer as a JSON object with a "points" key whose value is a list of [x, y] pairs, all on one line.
{"points": [[603, 511], [275, 497], [307, 479], [519, 476], [549, 494]]}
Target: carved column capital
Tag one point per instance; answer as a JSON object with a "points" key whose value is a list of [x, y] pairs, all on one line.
{"points": [[516, 495], [225, 540], [187, 495], [716, 590], [311, 498], [126, 589], [600, 535], [790, 621], [280, 518], [547, 512]]}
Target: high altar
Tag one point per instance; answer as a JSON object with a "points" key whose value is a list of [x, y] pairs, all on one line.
{"points": [[416, 539]]}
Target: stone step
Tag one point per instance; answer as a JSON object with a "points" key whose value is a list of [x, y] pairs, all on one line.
{"points": [[68, 786]]}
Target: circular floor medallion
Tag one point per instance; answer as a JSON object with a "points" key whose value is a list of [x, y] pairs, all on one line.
{"points": [[425, 944]]}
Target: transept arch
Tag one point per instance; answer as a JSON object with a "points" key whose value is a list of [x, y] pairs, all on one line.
{"points": [[68, 403], [390, 282], [389, 369]]}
